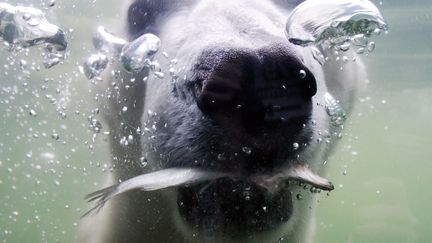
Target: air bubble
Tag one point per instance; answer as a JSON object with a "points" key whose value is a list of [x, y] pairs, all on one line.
{"points": [[95, 65], [55, 136], [338, 24], [95, 125], [371, 46], [247, 150], [51, 3], [334, 109], [23, 27], [107, 42], [138, 54], [361, 50], [159, 75], [302, 74], [221, 157], [32, 113]]}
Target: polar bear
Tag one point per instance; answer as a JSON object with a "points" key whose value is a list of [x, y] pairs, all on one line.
{"points": [[237, 97]]}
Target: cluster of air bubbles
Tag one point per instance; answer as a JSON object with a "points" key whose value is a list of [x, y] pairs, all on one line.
{"points": [[23, 27], [334, 110], [305, 188], [134, 56], [95, 65], [94, 124], [338, 24]]}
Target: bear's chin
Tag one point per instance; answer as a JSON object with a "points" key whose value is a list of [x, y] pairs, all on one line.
{"points": [[233, 208]]}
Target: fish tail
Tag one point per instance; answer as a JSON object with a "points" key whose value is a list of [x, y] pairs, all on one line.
{"points": [[100, 197]]}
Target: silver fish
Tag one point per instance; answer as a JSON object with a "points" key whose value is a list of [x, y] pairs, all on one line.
{"points": [[173, 177]]}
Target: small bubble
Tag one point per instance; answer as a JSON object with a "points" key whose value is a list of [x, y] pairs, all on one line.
{"points": [[371, 46], [345, 59], [361, 50], [23, 64], [124, 142], [299, 197], [221, 156], [247, 150], [160, 75], [32, 113], [55, 136], [124, 109], [345, 46], [143, 161], [296, 146], [302, 74], [51, 3], [377, 31]]}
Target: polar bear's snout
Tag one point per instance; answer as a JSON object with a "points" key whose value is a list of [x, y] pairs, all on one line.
{"points": [[254, 87]]}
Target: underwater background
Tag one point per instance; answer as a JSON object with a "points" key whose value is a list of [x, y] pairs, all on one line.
{"points": [[50, 159]]}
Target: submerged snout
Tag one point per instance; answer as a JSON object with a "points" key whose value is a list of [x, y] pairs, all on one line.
{"points": [[254, 87]]}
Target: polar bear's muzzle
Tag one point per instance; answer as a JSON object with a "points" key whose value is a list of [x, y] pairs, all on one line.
{"points": [[254, 87]]}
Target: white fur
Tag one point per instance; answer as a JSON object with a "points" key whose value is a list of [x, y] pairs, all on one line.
{"points": [[184, 35]]}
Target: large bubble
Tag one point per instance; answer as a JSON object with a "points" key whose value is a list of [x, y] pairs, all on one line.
{"points": [[336, 23]]}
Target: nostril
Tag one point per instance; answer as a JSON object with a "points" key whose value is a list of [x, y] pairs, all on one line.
{"points": [[218, 92], [221, 86], [281, 63]]}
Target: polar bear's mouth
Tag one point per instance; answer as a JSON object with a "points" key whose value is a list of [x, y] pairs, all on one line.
{"points": [[194, 179], [233, 207], [244, 205]]}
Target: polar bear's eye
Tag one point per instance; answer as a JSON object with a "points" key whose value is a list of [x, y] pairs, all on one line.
{"points": [[141, 15]]}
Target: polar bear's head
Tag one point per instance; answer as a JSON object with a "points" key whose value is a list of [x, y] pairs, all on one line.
{"points": [[236, 97]]}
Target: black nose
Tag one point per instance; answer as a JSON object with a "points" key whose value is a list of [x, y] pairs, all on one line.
{"points": [[255, 86]]}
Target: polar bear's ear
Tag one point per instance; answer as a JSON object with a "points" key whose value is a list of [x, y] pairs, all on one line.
{"points": [[142, 15]]}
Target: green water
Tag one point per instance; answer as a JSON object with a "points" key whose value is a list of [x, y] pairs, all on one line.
{"points": [[385, 194], [381, 168]]}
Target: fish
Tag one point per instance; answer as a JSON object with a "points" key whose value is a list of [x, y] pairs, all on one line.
{"points": [[173, 177]]}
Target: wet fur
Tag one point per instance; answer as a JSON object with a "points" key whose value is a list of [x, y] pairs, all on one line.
{"points": [[152, 216]]}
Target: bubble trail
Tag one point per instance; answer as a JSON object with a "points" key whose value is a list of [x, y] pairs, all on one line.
{"points": [[107, 42], [22, 27], [337, 23], [134, 56]]}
